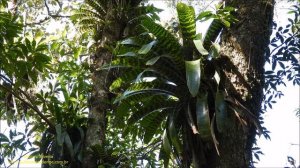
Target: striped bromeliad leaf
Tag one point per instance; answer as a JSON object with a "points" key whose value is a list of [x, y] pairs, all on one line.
{"points": [[186, 16], [212, 33], [165, 40]]}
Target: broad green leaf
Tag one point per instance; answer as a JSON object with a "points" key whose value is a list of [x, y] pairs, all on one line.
{"points": [[190, 120], [41, 47], [226, 23], [174, 139], [203, 120], [59, 134], [69, 144], [200, 48], [221, 111], [38, 36], [203, 16], [215, 50], [3, 138], [167, 149], [131, 54], [213, 135], [193, 76], [77, 52], [146, 48], [152, 61], [28, 45], [166, 144], [129, 41]]}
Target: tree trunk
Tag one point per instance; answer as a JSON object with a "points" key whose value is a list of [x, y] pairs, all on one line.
{"points": [[242, 49], [101, 98]]}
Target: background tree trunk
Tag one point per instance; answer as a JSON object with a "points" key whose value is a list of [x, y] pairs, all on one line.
{"points": [[101, 98], [243, 47]]}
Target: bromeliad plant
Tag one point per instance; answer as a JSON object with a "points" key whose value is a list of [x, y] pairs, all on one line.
{"points": [[176, 88]]}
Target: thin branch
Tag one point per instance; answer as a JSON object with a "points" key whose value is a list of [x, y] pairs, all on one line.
{"points": [[50, 15], [38, 22], [22, 155], [31, 104], [56, 15]]}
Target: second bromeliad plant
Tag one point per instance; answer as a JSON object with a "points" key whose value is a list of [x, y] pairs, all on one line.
{"points": [[175, 86]]}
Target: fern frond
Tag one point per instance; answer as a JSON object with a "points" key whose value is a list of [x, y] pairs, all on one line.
{"points": [[98, 5], [83, 12]]}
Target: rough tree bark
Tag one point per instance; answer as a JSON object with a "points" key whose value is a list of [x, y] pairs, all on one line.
{"points": [[242, 49], [101, 98]]}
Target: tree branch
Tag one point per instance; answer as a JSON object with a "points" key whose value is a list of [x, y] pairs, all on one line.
{"points": [[56, 15], [50, 15], [30, 105]]}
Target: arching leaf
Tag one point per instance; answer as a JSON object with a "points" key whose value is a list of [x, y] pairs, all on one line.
{"points": [[190, 120], [221, 111], [165, 150], [147, 47], [166, 41], [152, 122], [200, 48], [203, 120], [212, 33], [172, 133]]}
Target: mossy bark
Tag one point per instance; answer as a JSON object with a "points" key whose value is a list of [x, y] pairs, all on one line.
{"points": [[101, 98], [242, 49]]}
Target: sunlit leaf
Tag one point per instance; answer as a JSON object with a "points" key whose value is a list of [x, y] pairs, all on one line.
{"points": [[193, 75], [131, 54], [215, 50], [147, 47], [200, 48]]}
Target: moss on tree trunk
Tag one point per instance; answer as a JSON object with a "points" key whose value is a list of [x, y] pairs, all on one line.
{"points": [[243, 47]]}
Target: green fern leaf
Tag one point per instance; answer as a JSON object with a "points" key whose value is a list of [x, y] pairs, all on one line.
{"points": [[98, 5]]}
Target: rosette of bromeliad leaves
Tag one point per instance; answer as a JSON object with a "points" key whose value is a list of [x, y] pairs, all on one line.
{"points": [[172, 87]]}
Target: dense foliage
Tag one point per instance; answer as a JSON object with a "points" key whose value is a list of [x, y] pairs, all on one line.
{"points": [[169, 93]]}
